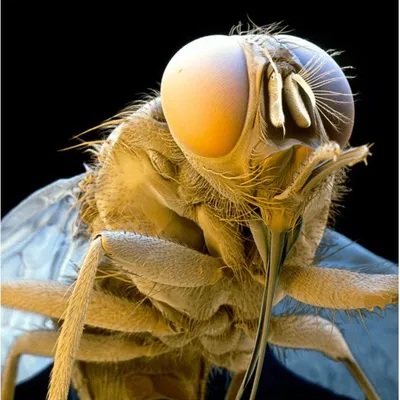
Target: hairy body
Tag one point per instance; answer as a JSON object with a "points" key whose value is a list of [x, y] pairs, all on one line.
{"points": [[177, 260]]}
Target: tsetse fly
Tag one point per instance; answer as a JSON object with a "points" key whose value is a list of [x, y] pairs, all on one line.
{"points": [[205, 208]]}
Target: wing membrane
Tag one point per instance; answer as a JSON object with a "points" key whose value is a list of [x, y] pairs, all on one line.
{"points": [[42, 239]]}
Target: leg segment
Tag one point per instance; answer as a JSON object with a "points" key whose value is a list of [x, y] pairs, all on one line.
{"points": [[71, 332], [338, 289], [104, 310], [110, 312], [93, 348], [312, 333], [161, 261]]}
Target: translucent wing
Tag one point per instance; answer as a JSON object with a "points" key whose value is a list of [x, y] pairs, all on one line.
{"points": [[375, 346], [41, 240]]}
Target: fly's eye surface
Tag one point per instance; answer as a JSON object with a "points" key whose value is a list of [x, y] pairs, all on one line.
{"points": [[204, 94], [329, 84]]}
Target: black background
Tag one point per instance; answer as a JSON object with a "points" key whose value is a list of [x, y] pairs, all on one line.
{"points": [[66, 68]]}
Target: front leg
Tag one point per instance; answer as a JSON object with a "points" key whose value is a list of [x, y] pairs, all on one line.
{"points": [[160, 261], [337, 288]]}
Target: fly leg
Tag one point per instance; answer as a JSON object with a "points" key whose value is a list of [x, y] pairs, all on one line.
{"points": [[93, 348], [104, 311], [160, 261], [312, 333], [319, 287], [309, 332]]}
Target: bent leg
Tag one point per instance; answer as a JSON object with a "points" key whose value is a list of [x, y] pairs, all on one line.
{"points": [[315, 333], [93, 348]]}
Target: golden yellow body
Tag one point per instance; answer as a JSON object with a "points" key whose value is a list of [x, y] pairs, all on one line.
{"points": [[192, 208]]}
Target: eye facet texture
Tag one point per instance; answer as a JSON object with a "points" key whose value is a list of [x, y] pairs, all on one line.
{"points": [[204, 94], [329, 85]]}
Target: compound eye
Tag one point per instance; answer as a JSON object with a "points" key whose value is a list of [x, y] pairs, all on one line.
{"points": [[204, 95], [329, 84]]}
